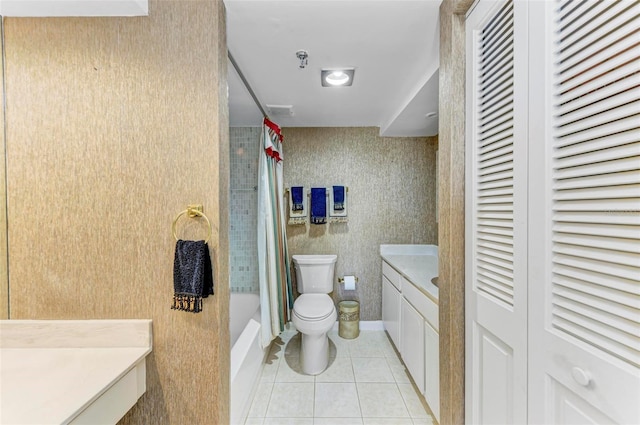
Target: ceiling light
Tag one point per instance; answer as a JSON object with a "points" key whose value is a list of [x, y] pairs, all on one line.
{"points": [[336, 77]]}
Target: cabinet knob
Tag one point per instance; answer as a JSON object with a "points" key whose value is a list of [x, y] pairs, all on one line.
{"points": [[580, 376]]}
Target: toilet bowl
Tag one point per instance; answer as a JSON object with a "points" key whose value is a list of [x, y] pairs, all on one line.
{"points": [[313, 316], [314, 312]]}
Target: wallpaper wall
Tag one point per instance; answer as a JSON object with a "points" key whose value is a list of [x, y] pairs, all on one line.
{"points": [[114, 126], [391, 199]]}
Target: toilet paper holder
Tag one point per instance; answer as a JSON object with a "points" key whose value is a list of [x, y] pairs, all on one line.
{"points": [[341, 279]]}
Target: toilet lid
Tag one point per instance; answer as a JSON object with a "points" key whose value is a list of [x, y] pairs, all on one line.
{"points": [[313, 306]]}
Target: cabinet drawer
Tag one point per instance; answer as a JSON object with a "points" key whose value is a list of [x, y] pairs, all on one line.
{"points": [[425, 306], [391, 274]]}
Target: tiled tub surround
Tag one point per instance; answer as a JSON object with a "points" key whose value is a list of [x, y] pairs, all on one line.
{"points": [[244, 144], [365, 384], [68, 371]]}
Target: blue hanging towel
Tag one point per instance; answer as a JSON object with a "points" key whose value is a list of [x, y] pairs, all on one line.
{"points": [[338, 198], [297, 198], [318, 205]]}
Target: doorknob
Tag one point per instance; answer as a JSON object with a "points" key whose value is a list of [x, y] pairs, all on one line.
{"points": [[580, 376]]}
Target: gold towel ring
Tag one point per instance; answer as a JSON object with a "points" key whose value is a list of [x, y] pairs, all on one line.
{"points": [[192, 211]]}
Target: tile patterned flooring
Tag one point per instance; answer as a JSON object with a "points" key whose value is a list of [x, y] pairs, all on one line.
{"points": [[365, 384]]}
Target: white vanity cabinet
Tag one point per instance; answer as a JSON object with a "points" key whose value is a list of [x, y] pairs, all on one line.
{"points": [[410, 317], [391, 281]]}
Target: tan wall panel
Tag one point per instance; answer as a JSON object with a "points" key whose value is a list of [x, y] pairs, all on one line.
{"points": [[391, 198], [451, 204], [114, 126], [4, 282]]}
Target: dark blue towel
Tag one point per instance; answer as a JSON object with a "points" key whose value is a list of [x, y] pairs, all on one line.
{"points": [[192, 275], [318, 205], [297, 198], [338, 198]]}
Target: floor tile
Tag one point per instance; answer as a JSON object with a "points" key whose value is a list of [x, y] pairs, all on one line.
{"points": [[349, 392], [341, 344], [291, 400], [336, 400], [381, 401], [261, 400], [412, 401], [387, 421], [400, 374], [270, 370], [366, 345], [340, 370], [287, 371], [423, 421], [288, 421], [371, 369], [337, 421]]}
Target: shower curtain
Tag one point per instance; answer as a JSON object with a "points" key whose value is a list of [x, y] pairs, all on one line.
{"points": [[276, 297]]}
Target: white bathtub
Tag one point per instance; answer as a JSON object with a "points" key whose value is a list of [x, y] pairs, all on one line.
{"points": [[247, 355]]}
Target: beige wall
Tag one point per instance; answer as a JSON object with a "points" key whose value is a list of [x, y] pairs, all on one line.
{"points": [[391, 198], [451, 204], [114, 125], [4, 283]]}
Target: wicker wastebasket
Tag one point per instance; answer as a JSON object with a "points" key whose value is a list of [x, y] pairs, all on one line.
{"points": [[349, 319]]}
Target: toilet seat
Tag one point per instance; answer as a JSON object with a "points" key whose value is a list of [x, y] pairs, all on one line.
{"points": [[313, 307]]}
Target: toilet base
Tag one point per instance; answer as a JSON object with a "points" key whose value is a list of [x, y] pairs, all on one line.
{"points": [[314, 353]]}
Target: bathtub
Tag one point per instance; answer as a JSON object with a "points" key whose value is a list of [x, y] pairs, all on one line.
{"points": [[247, 355]]}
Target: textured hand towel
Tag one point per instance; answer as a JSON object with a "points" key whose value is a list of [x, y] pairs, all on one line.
{"points": [[338, 205], [297, 198], [318, 205], [338, 198], [192, 275], [297, 206]]}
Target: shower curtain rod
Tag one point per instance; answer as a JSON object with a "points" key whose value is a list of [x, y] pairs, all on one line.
{"points": [[246, 84]]}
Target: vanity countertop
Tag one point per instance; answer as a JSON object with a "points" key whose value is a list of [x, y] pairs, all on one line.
{"points": [[417, 263], [60, 372]]}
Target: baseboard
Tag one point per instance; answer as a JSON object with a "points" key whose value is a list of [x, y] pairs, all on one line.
{"points": [[366, 325]]}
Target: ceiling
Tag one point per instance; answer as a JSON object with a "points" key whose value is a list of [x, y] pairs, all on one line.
{"points": [[392, 44]]}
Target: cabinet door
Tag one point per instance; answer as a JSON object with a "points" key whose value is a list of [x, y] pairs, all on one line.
{"points": [[412, 337], [432, 369], [391, 311]]}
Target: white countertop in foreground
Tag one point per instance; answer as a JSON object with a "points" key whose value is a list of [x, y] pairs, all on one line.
{"points": [[59, 372], [417, 263]]}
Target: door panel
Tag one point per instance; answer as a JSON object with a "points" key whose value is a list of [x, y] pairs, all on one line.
{"points": [[496, 213], [584, 216]]}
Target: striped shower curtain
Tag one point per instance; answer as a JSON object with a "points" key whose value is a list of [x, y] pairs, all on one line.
{"points": [[276, 297]]}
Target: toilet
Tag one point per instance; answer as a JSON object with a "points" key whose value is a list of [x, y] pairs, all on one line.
{"points": [[314, 312]]}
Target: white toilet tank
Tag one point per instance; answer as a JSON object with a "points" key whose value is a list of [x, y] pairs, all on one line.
{"points": [[314, 273]]}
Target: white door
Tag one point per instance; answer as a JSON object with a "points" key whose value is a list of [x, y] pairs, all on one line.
{"points": [[496, 213], [584, 229]]}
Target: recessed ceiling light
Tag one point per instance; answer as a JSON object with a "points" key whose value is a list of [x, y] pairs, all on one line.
{"points": [[336, 77]]}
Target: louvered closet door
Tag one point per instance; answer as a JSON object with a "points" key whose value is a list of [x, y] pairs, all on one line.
{"points": [[585, 214], [496, 210]]}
